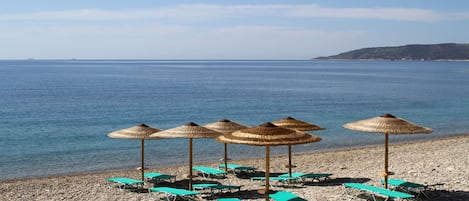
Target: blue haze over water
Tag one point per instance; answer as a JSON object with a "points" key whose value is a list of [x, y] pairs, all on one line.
{"points": [[54, 115]]}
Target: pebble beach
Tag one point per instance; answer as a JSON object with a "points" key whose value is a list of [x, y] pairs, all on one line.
{"points": [[439, 163]]}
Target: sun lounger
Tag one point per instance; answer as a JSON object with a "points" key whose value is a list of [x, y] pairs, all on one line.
{"points": [[208, 171], [213, 187], [305, 176], [374, 191], [237, 168], [285, 196], [157, 177], [174, 193], [228, 199], [283, 180], [125, 183], [409, 187]]}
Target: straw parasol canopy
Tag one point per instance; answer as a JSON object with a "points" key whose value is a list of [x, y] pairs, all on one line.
{"points": [[190, 130], [267, 135], [295, 124], [292, 123], [387, 124], [225, 126], [141, 132]]}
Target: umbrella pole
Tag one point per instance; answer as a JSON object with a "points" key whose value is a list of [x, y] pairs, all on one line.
{"points": [[143, 159], [289, 160], [289, 163], [226, 157], [190, 163], [267, 172], [386, 161]]}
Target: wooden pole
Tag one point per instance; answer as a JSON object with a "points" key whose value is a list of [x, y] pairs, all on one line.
{"points": [[226, 157], [190, 163], [143, 159], [386, 161], [267, 172], [289, 164], [289, 161]]}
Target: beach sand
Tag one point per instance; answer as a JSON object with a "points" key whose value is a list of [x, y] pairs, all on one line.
{"points": [[441, 163]]}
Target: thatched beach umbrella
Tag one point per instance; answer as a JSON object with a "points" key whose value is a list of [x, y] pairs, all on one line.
{"points": [[267, 135], [141, 132], [387, 124], [225, 126], [295, 124], [190, 130]]}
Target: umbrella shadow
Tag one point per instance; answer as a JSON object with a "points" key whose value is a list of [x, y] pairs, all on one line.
{"points": [[134, 189], [442, 195], [176, 184], [248, 175], [336, 181]]}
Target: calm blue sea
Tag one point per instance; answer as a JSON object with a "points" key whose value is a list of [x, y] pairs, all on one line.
{"points": [[54, 115]]}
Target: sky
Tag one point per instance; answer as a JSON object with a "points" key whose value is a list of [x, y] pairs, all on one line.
{"points": [[262, 29]]}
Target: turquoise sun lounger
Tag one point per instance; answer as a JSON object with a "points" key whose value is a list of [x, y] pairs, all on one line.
{"points": [[157, 177], [208, 171], [174, 193], [374, 191], [125, 183], [282, 180], [228, 199], [285, 196], [237, 168], [409, 187], [213, 187], [305, 176]]}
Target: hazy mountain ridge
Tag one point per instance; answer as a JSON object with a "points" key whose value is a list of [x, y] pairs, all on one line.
{"points": [[446, 51]]}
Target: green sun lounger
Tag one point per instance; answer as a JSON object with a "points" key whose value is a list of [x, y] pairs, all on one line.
{"points": [[155, 176], [203, 186], [237, 168], [305, 176], [174, 193], [374, 191], [208, 171], [285, 196], [282, 180], [409, 187], [213, 187], [228, 199], [125, 183]]}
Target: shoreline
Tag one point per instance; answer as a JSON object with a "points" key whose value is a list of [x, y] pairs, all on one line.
{"points": [[111, 170], [440, 162]]}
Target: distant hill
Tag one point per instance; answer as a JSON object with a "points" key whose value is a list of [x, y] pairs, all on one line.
{"points": [[446, 51]]}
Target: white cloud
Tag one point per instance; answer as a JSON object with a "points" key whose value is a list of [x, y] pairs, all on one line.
{"points": [[216, 12]]}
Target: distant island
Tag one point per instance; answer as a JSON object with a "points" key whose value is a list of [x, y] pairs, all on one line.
{"points": [[431, 52]]}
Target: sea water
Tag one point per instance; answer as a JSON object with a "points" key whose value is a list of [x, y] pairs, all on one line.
{"points": [[55, 114]]}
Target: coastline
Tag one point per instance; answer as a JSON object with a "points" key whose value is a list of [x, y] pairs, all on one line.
{"points": [[433, 162]]}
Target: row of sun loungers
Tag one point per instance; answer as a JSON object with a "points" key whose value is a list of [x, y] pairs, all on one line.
{"points": [[407, 190]]}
